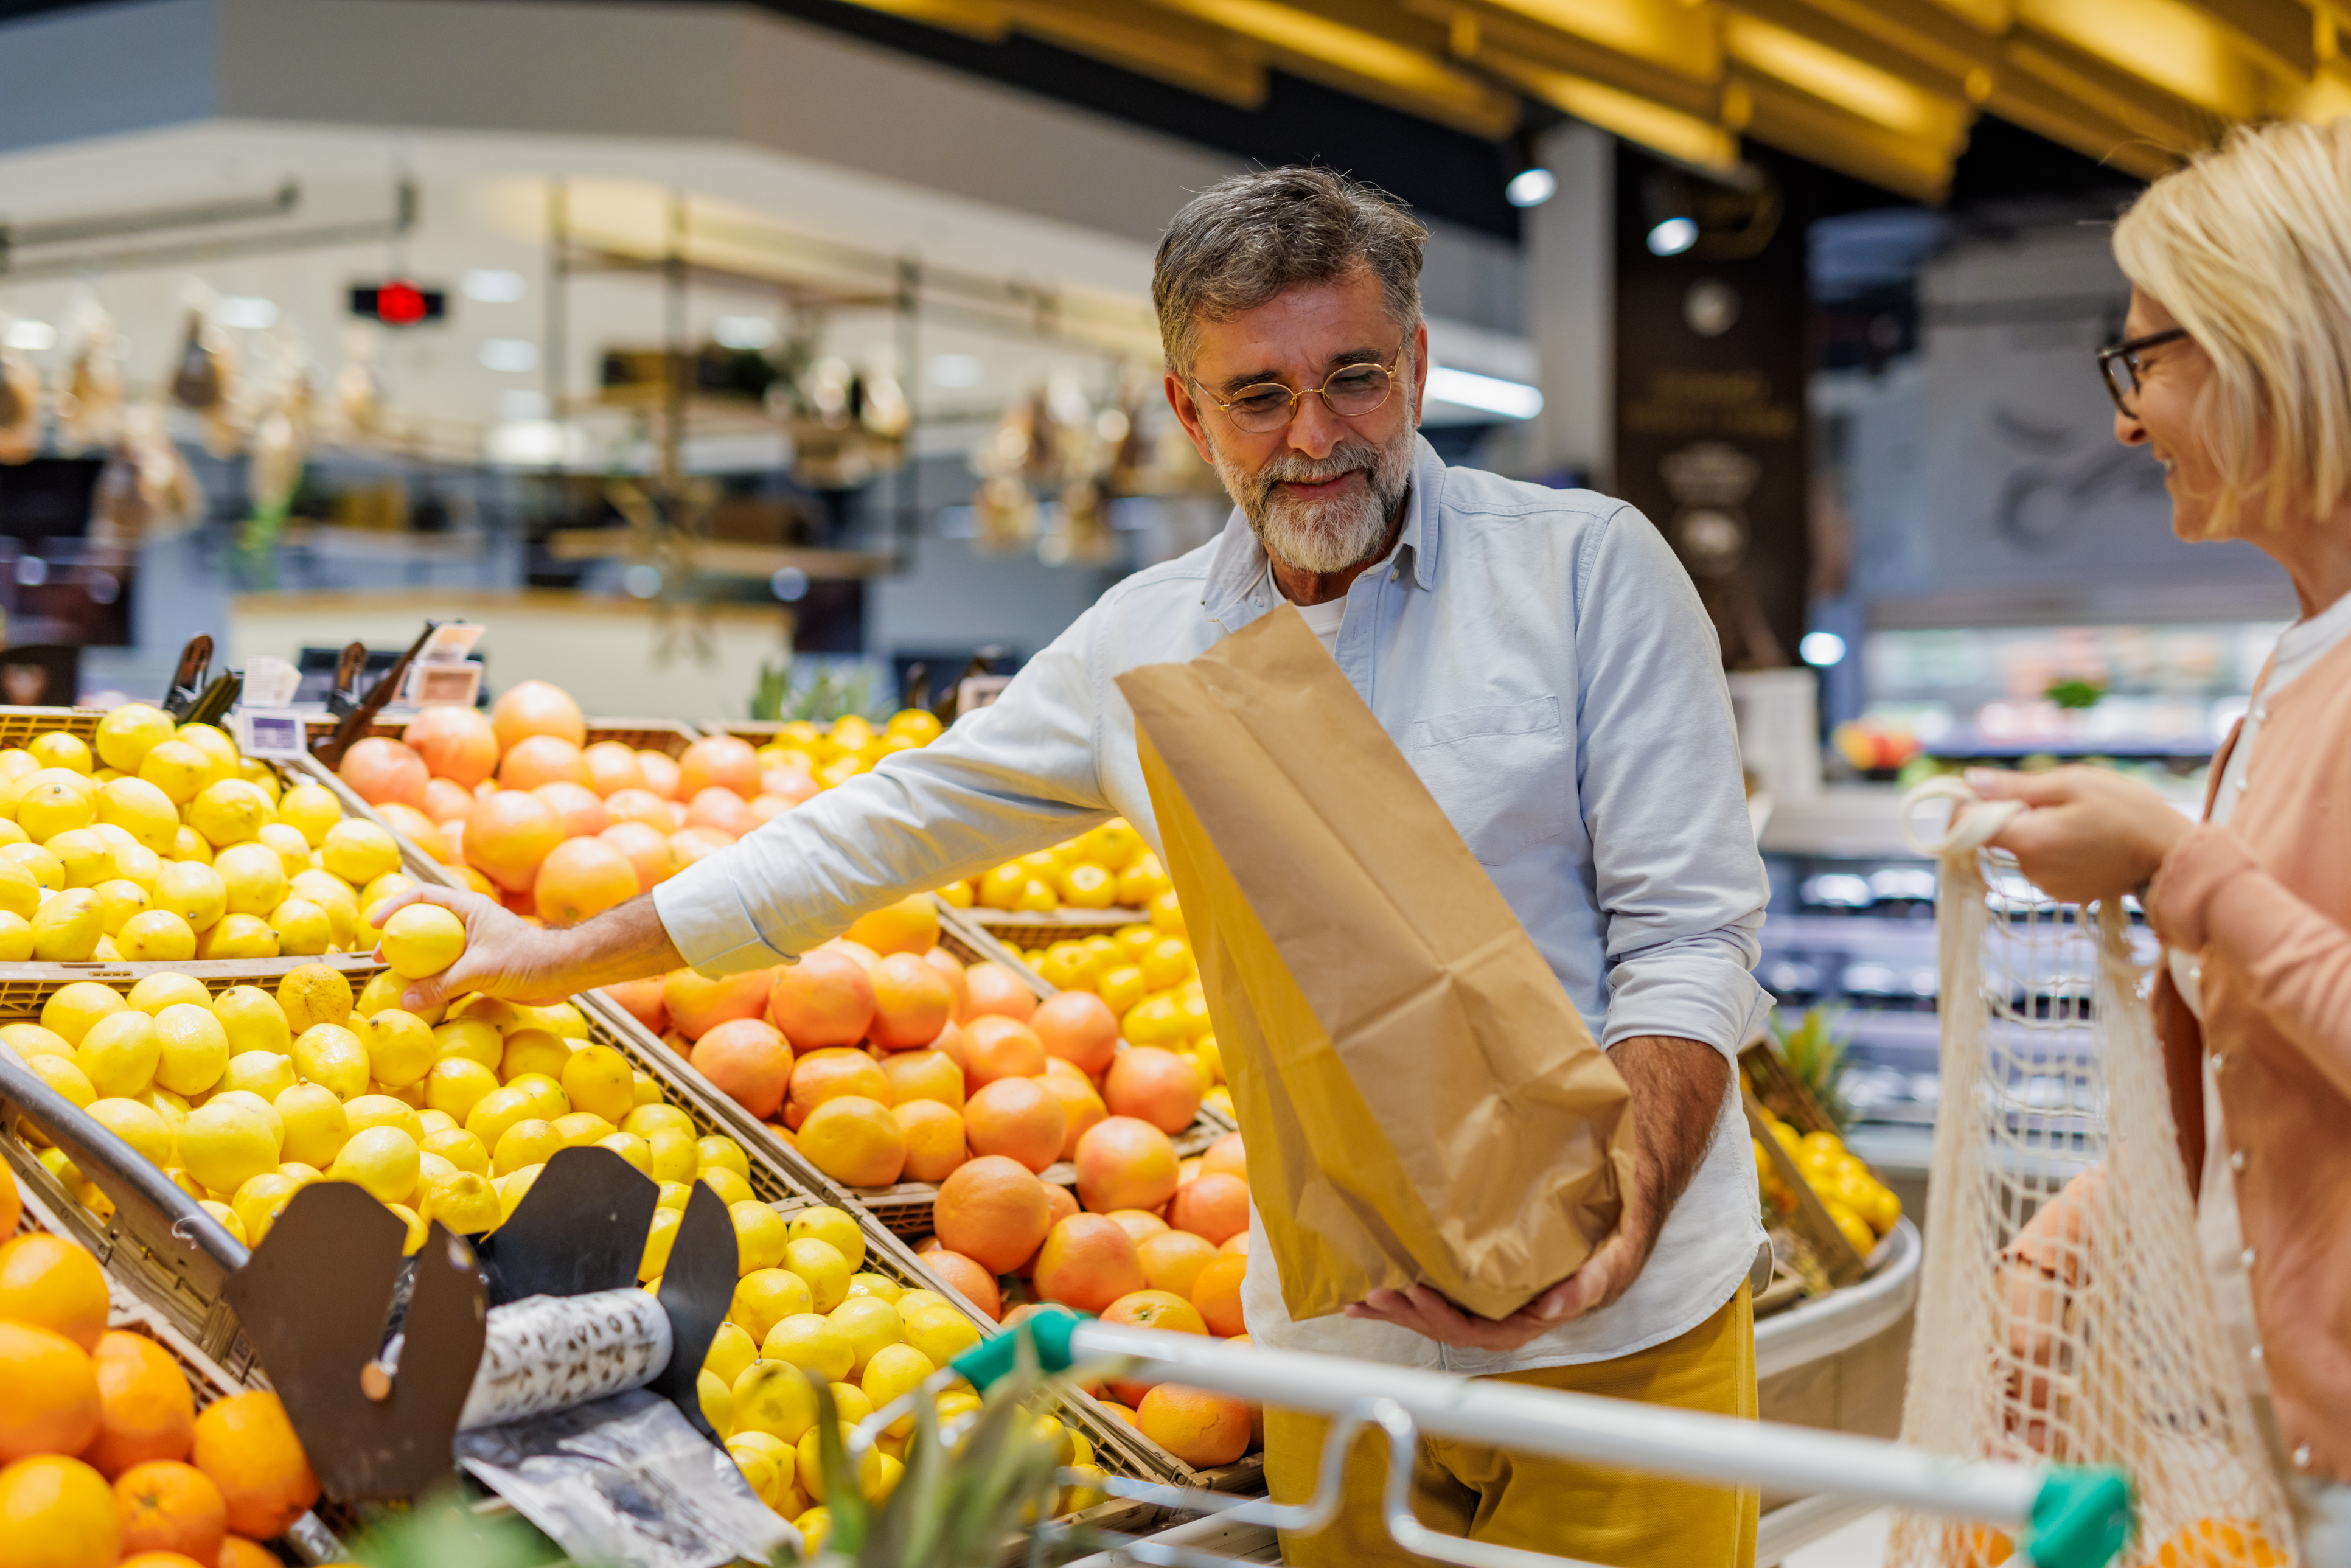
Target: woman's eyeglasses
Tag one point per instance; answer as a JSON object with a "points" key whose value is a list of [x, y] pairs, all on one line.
{"points": [[1351, 392], [2119, 366]]}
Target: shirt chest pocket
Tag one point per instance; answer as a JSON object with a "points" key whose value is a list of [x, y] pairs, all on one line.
{"points": [[1504, 775]]}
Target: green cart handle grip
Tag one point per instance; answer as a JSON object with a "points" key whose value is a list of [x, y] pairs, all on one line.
{"points": [[1048, 1332], [2081, 1518]]}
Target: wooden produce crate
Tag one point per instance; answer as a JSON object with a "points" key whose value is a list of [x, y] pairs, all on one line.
{"points": [[20, 724], [24, 987], [670, 735], [1033, 931]]}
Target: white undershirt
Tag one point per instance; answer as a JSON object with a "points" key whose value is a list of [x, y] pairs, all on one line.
{"points": [[2218, 1233], [1322, 620]]}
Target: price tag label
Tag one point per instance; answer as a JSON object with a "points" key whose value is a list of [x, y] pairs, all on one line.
{"points": [[271, 732], [442, 686]]}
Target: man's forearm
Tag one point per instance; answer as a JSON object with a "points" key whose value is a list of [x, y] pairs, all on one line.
{"points": [[1677, 1086], [504, 956]]}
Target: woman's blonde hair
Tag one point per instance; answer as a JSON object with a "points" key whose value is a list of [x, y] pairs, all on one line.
{"points": [[2248, 247]]}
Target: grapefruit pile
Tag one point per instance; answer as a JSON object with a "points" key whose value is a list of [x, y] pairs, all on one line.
{"points": [[524, 810], [164, 843], [106, 1457]]}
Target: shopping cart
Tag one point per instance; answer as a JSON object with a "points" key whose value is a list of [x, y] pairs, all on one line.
{"points": [[2060, 1516]]}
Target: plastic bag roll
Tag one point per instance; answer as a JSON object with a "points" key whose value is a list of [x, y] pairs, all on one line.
{"points": [[551, 1353]]}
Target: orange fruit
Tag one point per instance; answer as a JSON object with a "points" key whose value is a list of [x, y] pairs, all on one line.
{"points": [[969, 1277], [12, 1203], [236, 1551], [581, 809], [910, 925], [1157, 1086], [1237, 1243], [1060, 1202], [922, 1075], [51, 1405], [538, 760], [854, 1140], [994, 1211], [146, 1410], [2220, 1544], [51, 1284], [1088, 1262], [660, 773], [1155, 1310], [912, 1002], [580, 878], [1200, 1428], [643, 806], [1124, 1162], [507, 834], [1173, 1260], [1081, 1108], [1000, 1048], [934, 1136], [159, 1560], [748, 1061], [1122, 1412], [826, 998], [56, 1513], [1018, 1118], [612, 766], [719, 761], [947, 964], [1216, 1294], [167, 1506], [697, 1006], [535, 707], [721, 810], [245, 1444], [457, 743], [1212, 1205], [830, 1074], [1078, 1028], [993, 990], [648, 852], [380, 770], [1225, 1157]]}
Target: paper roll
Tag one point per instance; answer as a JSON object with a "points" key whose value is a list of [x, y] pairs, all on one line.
{"points": [[551, 1353]]}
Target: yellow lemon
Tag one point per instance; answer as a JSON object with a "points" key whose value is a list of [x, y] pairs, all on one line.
{"points": [[385, 889], [330, 1054], [17, 763], [15, 938], [530, 1142], [47, 872], [310, 810], [649, 1092], [895, 1369], [228, 1141], [760, 1238], [316, 1125], [60, 1074], [119, 1054], [677, 1156], [598, 1077], [366, 1110], [868, 1324], [400, 1047], [383, 1160], [194, 1048], [766, 1297], [260, 1201], [155, 936], [254, 876], [532, 1051], [816, 1529], [719, 1150], [417, 1232], [30, 1040], [460, 1148], [456, 1086], [732, 1349], [238, 937], [254, 1020], [851, 1401], [73, 1008], [582, 1129], [775, 1397], [231, 812], [293, 849], [20, 895], [730, 1187], [177, 769], [262, 777], [466, 1203], [194, 892], [810, 1454], [940, 1332], [827, 1224], [216, 746], [646, 1120], [660, 1236], [767, 1462], [563, 1020], [137, 862], [127, 735], [314, 994], [139, 1125], [141, 810], [423, 939], [88, 858], [227, 1218], [333, 894], [262, 1072], [631, 1148], [823, 1266], [489, 1117], [359, 852], [383, 993], [117, 902], [879, 1286], [190, 846], [153, 994], [51, 802], [304, 930], [472, 1040], [66, 929], [716, 1403]]}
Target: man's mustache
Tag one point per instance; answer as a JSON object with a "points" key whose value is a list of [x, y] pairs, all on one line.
{"points": [[1348, 459]]}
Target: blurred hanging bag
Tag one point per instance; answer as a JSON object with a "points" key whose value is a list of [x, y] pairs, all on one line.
{"points": [[1421, 1101]]}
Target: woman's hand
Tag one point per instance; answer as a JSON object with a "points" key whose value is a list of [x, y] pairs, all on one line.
{"points": [[2087, 834]]}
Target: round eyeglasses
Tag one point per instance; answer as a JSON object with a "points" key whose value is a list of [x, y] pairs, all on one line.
{"points": [[2120, 365], [1350, 391]]}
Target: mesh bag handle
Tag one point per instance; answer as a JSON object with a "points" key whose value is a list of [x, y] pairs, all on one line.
{"points": [[2064, 1309]]}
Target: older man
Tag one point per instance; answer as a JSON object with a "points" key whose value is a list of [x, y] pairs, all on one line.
{"points": [[1543, 661]]}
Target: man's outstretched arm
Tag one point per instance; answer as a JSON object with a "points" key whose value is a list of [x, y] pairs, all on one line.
{"points": [[507, 957]]}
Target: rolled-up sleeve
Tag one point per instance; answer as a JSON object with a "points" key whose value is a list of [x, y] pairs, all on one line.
{"points": [[1011, 777], [1679, 882]]}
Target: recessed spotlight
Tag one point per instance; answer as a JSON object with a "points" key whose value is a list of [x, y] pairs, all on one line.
{"points": [[1821, 649], [1531, 187], [1673, 236]]}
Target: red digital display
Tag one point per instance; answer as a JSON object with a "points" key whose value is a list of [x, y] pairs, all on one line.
{"points": [[399, 303]]}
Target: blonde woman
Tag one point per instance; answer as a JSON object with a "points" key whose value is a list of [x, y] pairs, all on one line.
{"points": [[2235, 372]]}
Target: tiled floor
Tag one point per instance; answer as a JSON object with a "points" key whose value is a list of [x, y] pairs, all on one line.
{"points": [[1861, 1544]]}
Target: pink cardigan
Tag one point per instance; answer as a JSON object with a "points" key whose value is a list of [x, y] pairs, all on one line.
{"points": [[2267, 901]]}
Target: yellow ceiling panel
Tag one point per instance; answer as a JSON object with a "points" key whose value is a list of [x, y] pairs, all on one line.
{"points": [[2174, 45], [1152, 42], [2175, 125], [1487, 35], [1686, 138], [2023, 99], [1904, 36], [1668, 32], [1837, 77], [2280, 34], [1356, 58], [1798, 122], [2327, 98], [973, 18]]}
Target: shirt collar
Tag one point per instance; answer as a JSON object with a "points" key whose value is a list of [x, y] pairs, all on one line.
{"points": [[1237, 564]]}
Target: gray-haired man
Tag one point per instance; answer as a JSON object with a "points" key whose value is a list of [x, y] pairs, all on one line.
{"points": [[1544, 664]]}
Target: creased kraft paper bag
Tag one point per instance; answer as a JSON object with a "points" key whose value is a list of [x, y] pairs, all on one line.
{"points": [[1419, 1099]]}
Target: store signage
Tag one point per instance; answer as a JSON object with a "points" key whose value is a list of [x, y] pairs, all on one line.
{"points": [[399, 303], [263, 732]]}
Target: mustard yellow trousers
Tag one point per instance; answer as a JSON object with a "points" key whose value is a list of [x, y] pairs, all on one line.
{"points": [[1589, 1512]]}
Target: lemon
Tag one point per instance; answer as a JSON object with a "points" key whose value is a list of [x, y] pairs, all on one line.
{"points": [[669, 1194], [15, 938], [530, 1142], [219, 750], [47, 872], [460, 1148], [66, 929], [191, 846], [492, 1113], [262, 777], [823, 1266], [383, 890], [30, 1040], [563, 1020], [775, 1397], [314, 994], [86, 858], [140, 810], [810, 1457], [582, 1129], [49, 804], [106, 952], [417, 1230], [399, 1047], [868, 1324], [55, 748], [304, 1173], [254, 1020], [466, 1203], [366, 1110], [631, 1148], [760, 1238], [120, 1053], [20, 894], [660, 1236], [237, 936], [382, 993], [423, 939], [253, 876], [226, 1217], [732, 1349], [895, 1369], [716, 1403], [472, 1040], [731, 1188], [127, 735], [823, 1223], [194, 892], [940, 1332], [60, 1074], [261, 1200], [456, 1086], [719, 1150], [293, 849], [649, 1092], [177, 770], [262, 1072], [194, 1047], [879, 1286], [851, 1401], [117, 902], [675, 1155], [597, 1078], [529, 1050], [330, 1054], [139, 1125], [310, 810], [137, 862], [331, 894], [359, 852], [383, 1160], [816, 1529], [766, 1297], [230, 811], [647, 1120], [303, 929], [156, 992], [228, 1141], [316, 1126], [499, 1014], [18, 763], [767, 1462]]}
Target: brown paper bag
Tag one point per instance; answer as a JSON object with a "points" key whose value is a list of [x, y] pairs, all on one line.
{"points": [[1419, 1099]]}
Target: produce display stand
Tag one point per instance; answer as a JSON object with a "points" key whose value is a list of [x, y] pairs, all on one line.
{"points": [[1035, 929], [668, 736]]}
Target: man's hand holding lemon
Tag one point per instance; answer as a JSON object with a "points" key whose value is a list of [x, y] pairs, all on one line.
{"points": [[450, 943]]}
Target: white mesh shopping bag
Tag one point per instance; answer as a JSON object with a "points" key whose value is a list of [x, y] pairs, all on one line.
{"points": [[2063, 1312]]}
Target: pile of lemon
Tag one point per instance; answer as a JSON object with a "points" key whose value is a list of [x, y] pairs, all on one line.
{"points": [[244, 1098], [1863, 1207], [835, 753], [804, 1313], [1106, 868], [166, 844]]}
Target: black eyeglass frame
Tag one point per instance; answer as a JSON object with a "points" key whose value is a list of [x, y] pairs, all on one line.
{"points": [[2125, 355], [1389, 370]]}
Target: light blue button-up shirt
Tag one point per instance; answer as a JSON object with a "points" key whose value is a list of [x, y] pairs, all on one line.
{"points": [[1542, 660]]}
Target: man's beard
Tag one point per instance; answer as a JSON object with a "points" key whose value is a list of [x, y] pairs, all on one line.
{"points": [[1329, 536]]}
